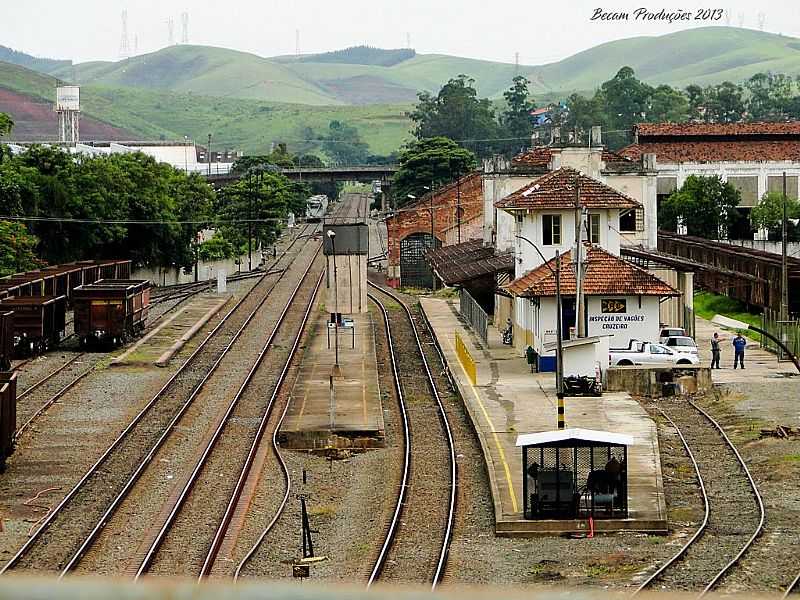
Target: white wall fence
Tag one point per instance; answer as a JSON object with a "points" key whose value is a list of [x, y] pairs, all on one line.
{"points": [[792, 248], [206, 270]]}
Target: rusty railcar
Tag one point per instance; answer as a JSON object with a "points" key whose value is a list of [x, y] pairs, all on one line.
{"points": [[39, 322], [6, 339], [8, 414], [111, 311]]}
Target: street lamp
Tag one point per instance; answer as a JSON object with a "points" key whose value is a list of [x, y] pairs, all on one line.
{"points": [[332, 235], [559, 345]]}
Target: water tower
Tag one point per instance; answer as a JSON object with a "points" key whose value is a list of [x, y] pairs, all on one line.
{"points": [[68, 107]]}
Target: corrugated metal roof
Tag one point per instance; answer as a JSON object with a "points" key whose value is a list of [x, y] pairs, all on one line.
{"points": [[574, 433]]}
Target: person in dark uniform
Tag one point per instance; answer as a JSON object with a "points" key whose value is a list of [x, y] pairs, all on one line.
{"points": [[715, 351], [739, 344]]}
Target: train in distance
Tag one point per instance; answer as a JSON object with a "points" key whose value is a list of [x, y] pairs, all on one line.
{"points": [[316, 207]]}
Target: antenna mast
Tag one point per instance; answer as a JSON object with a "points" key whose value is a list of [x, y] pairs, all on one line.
{"points": [[124, 49], [184, 28]]}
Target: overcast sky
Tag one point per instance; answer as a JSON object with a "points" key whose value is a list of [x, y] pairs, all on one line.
{"points": [[540, 31]]}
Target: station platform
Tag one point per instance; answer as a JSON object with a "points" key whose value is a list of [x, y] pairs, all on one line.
{"points": [[349, 415], [508, 400], [158, 346]]}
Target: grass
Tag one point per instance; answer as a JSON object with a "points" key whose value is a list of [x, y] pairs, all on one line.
{"points": [[707, 305]]}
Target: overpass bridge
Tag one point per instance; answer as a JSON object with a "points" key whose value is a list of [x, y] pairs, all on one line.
{"points": [[360, 173]]}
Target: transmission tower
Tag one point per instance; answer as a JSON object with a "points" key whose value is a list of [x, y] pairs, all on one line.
{"points": [[727, 17], [136, 44], [297, 42], [516, 64], [408, 40], [171, 30], [741, 19], [762, 18], [124, 49], [184, 28]]}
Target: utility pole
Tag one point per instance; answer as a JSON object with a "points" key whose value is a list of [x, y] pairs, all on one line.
{"points": [[433, 239], [458, 205], [559, 346], [578, 260], [208, 155], [250, 221], [784, 268]]}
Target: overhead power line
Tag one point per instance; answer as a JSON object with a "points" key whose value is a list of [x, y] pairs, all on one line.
{"points": [[133, 221]]}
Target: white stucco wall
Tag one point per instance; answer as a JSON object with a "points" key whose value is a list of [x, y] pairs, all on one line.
{"points": [[531, 228], [639, 321], [761, 169]]}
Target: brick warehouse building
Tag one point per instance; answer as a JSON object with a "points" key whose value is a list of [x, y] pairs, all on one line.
{"points": [[457, 217], [750, 156]]}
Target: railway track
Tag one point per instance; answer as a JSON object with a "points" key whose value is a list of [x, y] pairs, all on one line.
{"points": [[55, 543], [197, 518], [45, 392], [733, 508], [419, 532], [37, 399]]}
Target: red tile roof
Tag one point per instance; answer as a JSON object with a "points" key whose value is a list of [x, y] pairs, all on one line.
{"points": [[557, 190], [717, 151], [717, 129], [606, 275]]}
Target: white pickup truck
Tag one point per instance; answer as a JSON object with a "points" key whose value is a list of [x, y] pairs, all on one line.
{"points": [[648, 353]]}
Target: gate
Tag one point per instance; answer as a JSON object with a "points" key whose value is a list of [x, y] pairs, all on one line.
{"points": [[414, 269]]}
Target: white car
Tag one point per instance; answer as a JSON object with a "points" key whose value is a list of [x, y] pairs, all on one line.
{"points": [[682, 344], [649, 353], [668, 332]]}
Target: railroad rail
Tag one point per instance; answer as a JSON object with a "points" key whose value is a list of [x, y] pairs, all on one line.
{"points": [[713, 531], [402, 516], [184, 375], [218, 432], [234, 502]]}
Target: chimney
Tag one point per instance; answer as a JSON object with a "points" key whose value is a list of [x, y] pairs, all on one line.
{"points": [[555, 135], [649, 162], [596, 136]]}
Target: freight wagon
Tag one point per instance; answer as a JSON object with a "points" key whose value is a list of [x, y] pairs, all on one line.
{"points": [[60, 280], [39, 322], [8, 415], [110, 311], [6, 339]]}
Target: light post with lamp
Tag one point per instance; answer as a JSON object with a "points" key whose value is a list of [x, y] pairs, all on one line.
{"points": [[559, 342], [332, 236]]}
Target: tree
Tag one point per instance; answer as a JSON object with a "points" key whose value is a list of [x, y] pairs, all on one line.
{"points": [[343, 144], [516, 118], [769, 214], [706, 205], [457, 113], [16, 249], [770, 93], [262, 197], [724, 103], [432, 161], [6, 124], [696, 98]]}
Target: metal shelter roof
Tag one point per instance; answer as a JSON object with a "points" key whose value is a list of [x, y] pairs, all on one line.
{"points": [[544, 438]]}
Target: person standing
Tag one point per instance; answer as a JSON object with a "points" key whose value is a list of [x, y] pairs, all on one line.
{"points": [[739, 344], [715, 351]]}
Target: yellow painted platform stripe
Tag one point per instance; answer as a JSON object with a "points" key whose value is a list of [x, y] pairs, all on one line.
{"points": [[506, 468]]}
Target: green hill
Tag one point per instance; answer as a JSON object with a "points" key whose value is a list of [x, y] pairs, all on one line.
{"points": [[363, 75], [703, 56], [236, 123], [204, 70]]}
